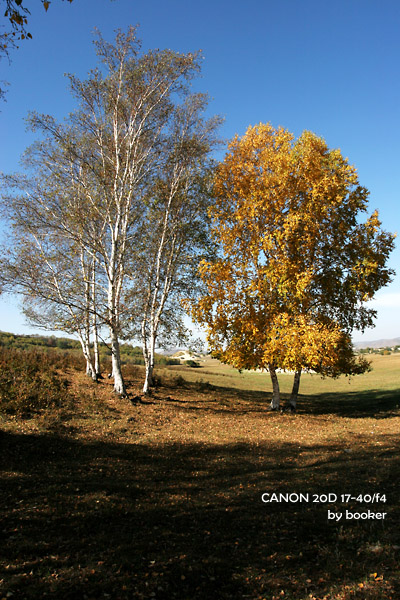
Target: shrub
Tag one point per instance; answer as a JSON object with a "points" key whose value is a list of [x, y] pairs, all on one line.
{"points": [[129, 370], [137, 360], [191, 363], [30, 381], [179, 381], [166, 360], [204, 386]]}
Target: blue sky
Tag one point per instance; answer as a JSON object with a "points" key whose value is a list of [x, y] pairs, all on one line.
{"points": [[329, 67]]}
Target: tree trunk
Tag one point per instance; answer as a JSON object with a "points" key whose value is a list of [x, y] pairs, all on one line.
{"points": [[119, 384], [113, 323], [295, 391], [90, 370], [275, 402], [149, 363], [96, 351], [148, 382]]}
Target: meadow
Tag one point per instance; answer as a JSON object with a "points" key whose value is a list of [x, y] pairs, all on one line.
{"points": [[162, 497]]}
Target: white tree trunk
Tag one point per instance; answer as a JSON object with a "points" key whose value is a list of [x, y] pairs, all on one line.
{"points": [[90, 370], [148, 380], [96, 351], [119, 385], [114, 286], [149, 364], [275, 402]]}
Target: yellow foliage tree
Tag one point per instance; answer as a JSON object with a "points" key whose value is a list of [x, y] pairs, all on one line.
{"points": [[296, 267]]}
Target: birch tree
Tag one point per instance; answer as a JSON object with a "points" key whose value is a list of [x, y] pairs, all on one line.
{"points": [[102, 162], [56, 285], [297, 265], [176, 227]]}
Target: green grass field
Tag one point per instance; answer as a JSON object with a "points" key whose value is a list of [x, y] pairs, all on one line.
{"points": [[373, 388], [385, 374]]}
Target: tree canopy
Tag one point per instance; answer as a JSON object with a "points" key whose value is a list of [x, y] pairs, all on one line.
{"points": [[296, 265], [111, 209]]}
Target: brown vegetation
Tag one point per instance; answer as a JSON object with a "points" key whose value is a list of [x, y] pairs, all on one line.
{"points": [[160, 497]]}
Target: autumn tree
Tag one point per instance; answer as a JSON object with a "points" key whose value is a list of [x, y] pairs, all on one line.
{"points": [[296, 265]]}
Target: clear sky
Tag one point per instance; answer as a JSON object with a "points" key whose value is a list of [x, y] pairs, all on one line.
{"points": [[329, 67]]}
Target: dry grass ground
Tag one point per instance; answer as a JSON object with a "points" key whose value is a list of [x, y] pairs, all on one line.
{"points": [[162, 499]]}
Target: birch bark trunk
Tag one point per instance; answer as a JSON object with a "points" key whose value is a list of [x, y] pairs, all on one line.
{"points": [[149, 352], [90, 367], [95, 331], [90, 371], [119, 384], [96, 351], [275, 402], [156, 299]]}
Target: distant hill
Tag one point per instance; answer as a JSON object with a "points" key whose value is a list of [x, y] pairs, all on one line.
{"points": [[378, 343]]}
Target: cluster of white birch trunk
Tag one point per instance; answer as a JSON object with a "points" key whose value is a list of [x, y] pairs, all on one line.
{"points": [[109, 219]]}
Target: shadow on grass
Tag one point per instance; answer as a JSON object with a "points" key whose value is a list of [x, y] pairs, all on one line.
{"points": [[99, 520], [380, 404], [370, 403]]}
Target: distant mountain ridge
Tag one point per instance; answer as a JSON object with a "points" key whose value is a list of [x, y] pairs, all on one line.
{"points": [[378, 343]]}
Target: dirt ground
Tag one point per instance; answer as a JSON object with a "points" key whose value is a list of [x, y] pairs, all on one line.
{"points": [[200, 492]]}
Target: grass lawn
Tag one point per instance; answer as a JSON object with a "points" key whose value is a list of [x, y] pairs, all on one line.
{"points": [[105, 498]]}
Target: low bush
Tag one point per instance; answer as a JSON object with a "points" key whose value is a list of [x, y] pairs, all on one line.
{"points": [[191, 363], [130, 370], [179, 381], [30, 380], [166, 360], [203, 386]]}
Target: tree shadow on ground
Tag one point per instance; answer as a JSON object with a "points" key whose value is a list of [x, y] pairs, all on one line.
{"points": [[107, 520], [380, 404]]}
